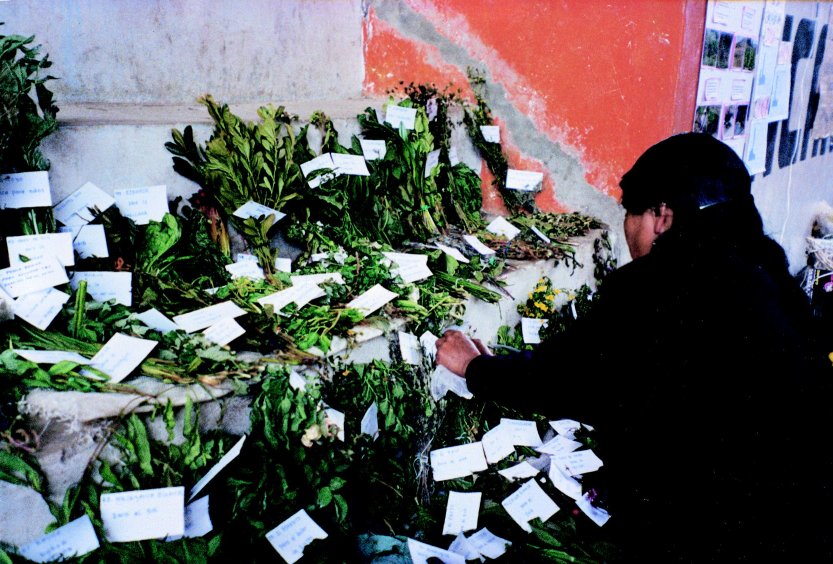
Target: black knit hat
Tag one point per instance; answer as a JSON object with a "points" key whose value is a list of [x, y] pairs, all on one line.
{"points": [[687, 172]]}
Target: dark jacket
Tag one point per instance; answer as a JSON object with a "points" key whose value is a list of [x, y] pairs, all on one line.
{"points": [[698, 369]]}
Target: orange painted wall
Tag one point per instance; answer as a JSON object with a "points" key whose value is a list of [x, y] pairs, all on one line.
{"points": [[603, 79]]}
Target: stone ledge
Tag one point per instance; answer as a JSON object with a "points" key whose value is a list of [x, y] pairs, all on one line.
{"points": [[94, 114]]}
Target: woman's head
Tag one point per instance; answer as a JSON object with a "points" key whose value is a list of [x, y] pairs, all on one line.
{"points": [[679, 182]]}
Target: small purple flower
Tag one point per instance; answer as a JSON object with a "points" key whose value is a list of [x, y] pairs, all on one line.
{"points": [[828, 286]]}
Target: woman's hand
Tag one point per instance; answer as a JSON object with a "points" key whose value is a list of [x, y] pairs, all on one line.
{"points": [[455, 350]]}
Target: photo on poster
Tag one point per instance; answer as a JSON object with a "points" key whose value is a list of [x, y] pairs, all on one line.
{"points": [[741, 115], [724, 48], [728, 129], [707, 120], [710, 43], [743, 54]]}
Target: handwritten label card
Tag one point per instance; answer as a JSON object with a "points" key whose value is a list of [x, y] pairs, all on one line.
{"points": [[76, 538], [410, 349], [373, 149], [529, 502], [245, 269], [79, 203], [197, 519], [578, 462], [232, 453], [410, 267], [255, 210], [461, 545], [143, 514], [370, 421], [40, 308], [596, 514], [521, 432], [142, 205], [398, 115], [457, 461], [530, 329], [488, 544], [491, 133], [461, 512], [35, 247], [519, 471], [32, 276], [499, 226], [567, 485], [290, 537], [454, 253], [299, 293], [283, 264], [25, 190], [321, 162], [432, 159], [207, 316], [421, 552], [558, 445], [223, 332], [51, 357], [497, 444], [155, 319], [477, 245], [91, 241], [121, 355], [525, 180], [353, 165], [103, 286], [566, 427], [372, 300]]}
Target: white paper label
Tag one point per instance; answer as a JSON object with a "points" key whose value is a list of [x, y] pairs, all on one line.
{"points": [[521, 432], [353, 165], [519, 471], [499, 226], [91, 241], [491, 133], [36, 247], [293, 535], [421, 552], [32, 276], [142, 205], [398, 115], [121, 355], [525, 180], [596, 514], [103, 286], [51, 357], [223, 332], [578, 462], [370, 421], [432, 159], [255, 210], [76, 538], [567, 485], [40, 308], [143, 514], [529, 502], [155, 319], [488, 544], [300, 293], [477, 245], [207, 316], [373, 149], [197, 519], [245, 269], [79, 203], [497, 444], [410, 349], [457, 461], [373, 299], [25, 190], [461, 512], [530, 329], [454, 253]]}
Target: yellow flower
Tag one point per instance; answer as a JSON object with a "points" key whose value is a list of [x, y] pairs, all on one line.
{"points": [[550, 297], [571, 297], [542, 307], [557, 291]]}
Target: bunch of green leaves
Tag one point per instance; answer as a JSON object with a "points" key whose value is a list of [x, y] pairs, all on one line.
{"points": [[458, 184], [144, 463], [315, 325], [476, 116], [27, 117], [413, 199], [245, 161], [175, 261], [276, 474], [27, 110]]}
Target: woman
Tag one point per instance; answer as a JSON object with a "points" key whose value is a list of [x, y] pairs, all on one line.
{"points": [[697, 367]]}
